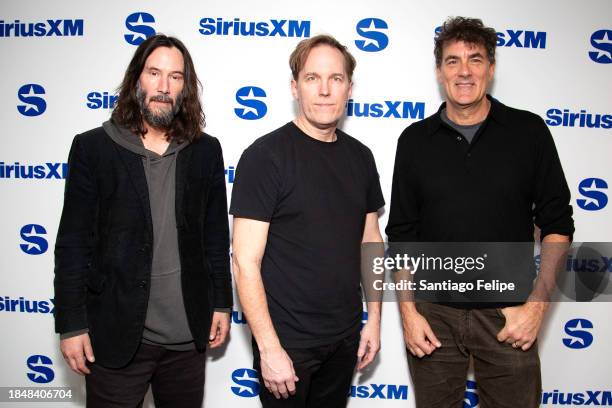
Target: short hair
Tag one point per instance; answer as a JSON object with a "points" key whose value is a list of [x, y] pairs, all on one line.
{"points": [[300, 54], [189, 122], [469, 30]]}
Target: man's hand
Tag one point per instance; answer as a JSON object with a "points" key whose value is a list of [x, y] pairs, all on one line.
{"points": [[278, 373], [419, 337], [75, 350], [522, 324], [219, 329], [369, 344]]}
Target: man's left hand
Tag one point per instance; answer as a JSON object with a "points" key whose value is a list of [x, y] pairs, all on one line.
{"points": [[522, 324], [369, 344], [219, 329]]}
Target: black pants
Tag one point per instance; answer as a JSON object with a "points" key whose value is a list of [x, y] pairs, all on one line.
{"points": [[325, 374], [505, 377], [176, 379]]}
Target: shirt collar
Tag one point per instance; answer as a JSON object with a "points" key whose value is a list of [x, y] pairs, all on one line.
{"points": [[498, 112]]}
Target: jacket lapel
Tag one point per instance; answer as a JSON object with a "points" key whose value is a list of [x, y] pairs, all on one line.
{"points": [[135, 169], [183, 163]]}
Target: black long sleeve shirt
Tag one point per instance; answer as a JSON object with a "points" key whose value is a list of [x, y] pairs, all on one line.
{"points": [[491, 190]]}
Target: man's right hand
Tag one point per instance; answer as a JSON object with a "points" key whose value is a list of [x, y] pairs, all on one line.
{"points": [[278, 373], [419, 337], [75, 350]]}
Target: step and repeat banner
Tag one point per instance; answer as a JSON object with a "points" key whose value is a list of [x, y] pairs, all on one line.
{"points": [[63, 60]]}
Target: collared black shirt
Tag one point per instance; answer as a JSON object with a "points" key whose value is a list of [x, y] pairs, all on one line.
{"points": [[491, 190]]}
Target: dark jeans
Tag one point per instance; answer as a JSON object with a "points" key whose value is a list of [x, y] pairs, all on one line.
{"points": [[325, 374], [176, 378], [505, 377]]}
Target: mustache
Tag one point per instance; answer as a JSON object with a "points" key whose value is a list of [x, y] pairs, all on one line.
{"points": [[161, 98]]}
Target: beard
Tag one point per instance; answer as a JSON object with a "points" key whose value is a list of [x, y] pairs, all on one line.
{"points": [[161, 118]]}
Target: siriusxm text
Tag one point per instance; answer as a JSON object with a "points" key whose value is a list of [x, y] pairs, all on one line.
{"points": [[271, 28], [577, 398], [17, 170], [380, 391], [567, 118], [101, 100], [386, 109], [48, 28], [573, 264], [23, 305], [519, 38]]}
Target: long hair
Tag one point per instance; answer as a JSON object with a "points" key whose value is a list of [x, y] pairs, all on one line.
{"points": [[189, 122]]}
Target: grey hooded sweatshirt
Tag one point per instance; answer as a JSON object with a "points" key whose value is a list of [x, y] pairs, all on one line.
{"points": [[166, 321]]}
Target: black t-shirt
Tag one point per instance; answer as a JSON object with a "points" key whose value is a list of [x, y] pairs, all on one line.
{"points": [[315, 195]]}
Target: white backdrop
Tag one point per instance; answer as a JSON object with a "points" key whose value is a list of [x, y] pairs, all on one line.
{"points": [[555, 56]]}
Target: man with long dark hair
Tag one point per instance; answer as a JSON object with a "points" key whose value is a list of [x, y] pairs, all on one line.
{"points": [[142, 281]]}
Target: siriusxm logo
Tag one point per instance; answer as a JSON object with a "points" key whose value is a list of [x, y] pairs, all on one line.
{"points": [[577, 398], [601, 40], [33, 234], [470, 398], [247, 383], [16, 170], [251, 98], [375, 38], [33, 104], [580, 334], [238, 317], [23, 305], [519, 38], [594, 191], [101, 100], [230, 174], [272, 28], [49, 28], [387, 109], [379, 391], [567, 118], [139, 24], [40, 369]]}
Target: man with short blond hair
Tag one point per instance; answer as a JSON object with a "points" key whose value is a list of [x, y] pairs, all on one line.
{"points": [[305, 197]]}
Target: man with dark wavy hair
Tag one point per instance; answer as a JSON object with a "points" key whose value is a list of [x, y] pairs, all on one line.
{"points": [[142, 281], [478, 171]]}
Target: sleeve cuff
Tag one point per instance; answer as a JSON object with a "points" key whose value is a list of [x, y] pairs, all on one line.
{"points": [[75, 333]]}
